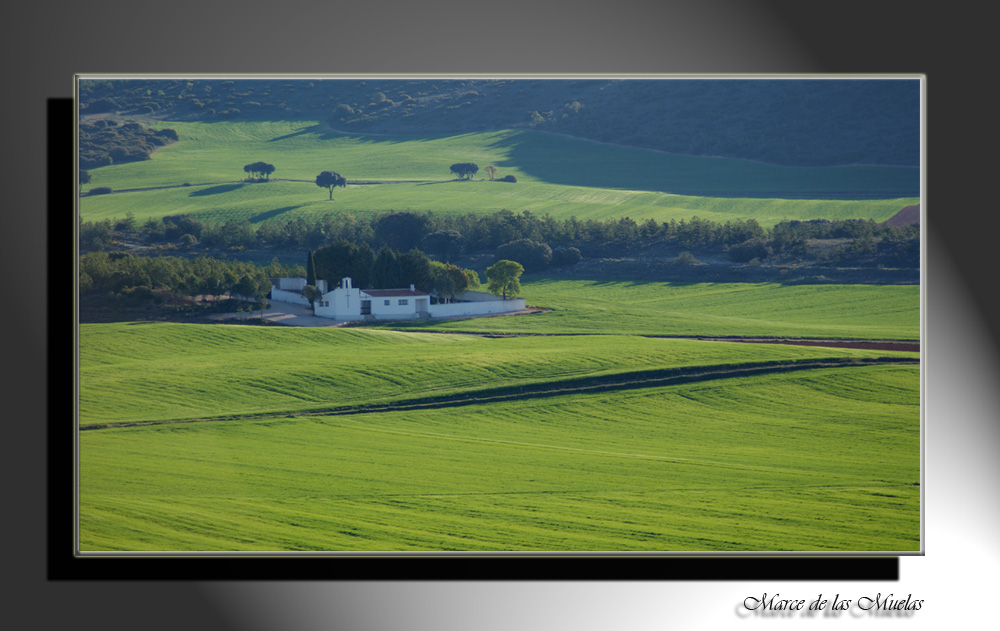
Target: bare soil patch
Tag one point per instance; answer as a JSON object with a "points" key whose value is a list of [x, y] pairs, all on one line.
{"points": [[906, 216]]}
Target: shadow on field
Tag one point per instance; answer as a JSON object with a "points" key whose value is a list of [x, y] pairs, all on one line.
{"points": [[312, 129], [215, 190], [438, 182], [575, 162], [271, 214]]}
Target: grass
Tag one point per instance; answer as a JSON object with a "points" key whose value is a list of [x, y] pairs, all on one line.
{"points": [[557, 175], [808, 460], [816, 460], [889, 312], [146, 372]]}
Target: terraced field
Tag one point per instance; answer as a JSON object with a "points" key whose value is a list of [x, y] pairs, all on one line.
{"points": [[557, 175]]}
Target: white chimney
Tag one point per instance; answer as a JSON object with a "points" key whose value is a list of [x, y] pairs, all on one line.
{"points": [[413, 287]]}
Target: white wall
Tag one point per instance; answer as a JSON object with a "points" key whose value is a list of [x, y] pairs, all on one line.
{"points": [[281, 295], [289, 290], [482, 307], [344, 304], [477, 296], [291, 284], [393, 310]]}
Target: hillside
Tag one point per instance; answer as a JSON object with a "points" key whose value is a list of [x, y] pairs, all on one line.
{"points": [[556, 175], [792, 122], [248, 438]]}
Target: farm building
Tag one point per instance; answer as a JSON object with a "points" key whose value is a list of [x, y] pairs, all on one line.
{"points": [[349, 303]]}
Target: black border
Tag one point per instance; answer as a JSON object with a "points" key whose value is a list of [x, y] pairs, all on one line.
{"points": [[63, 563]]}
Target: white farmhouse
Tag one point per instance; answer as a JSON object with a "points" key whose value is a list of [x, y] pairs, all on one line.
{"points": [[349, 303]]}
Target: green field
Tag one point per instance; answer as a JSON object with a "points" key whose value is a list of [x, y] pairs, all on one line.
{"points": [[557, 175], [808, 459], [587, 426], [815, 460], [181, 371], [890, 312]]}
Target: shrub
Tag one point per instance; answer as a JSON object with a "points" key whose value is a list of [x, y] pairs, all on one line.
{"points": [[750, 249], [167, 133], [102, 105], [507, 178], [685, 259], [564, 257], [534, 256]]}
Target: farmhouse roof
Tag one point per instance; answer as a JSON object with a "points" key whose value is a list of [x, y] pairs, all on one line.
{"points": [[389, 293]]}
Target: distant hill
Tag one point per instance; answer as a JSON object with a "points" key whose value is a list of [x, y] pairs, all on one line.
{"points": [[794, 122]]}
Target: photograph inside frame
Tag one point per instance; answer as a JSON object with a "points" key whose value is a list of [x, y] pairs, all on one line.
{"points": [[522, 315]]}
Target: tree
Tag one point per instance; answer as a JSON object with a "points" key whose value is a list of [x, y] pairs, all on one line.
{"points": [[401, 231], [259, 170], [84, 177], [534, 256], [253, 287], [464, 170], [448, 280], [312, 294], [491, 171], [416, 269], [311, 269], [443, 243], [387, 272], [563, 257], [330, 180], [504, 278]]}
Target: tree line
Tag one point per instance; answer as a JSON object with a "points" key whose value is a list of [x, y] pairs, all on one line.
{"points": [[535, 241], [387, 269], [125, 278]]}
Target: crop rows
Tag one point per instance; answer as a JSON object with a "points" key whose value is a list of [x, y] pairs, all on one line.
{"points": [[765, 462]]}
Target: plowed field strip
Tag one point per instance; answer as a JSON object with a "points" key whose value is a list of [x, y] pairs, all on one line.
{"points": [[583, 385]]}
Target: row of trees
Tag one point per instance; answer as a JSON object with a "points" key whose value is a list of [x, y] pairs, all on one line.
{"points": [[387, 269], [124, 276], [466, 170], [390, 269], [448, 237]]}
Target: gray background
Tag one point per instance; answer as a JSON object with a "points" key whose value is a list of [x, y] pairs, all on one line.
{"points": [[44, 45]]}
